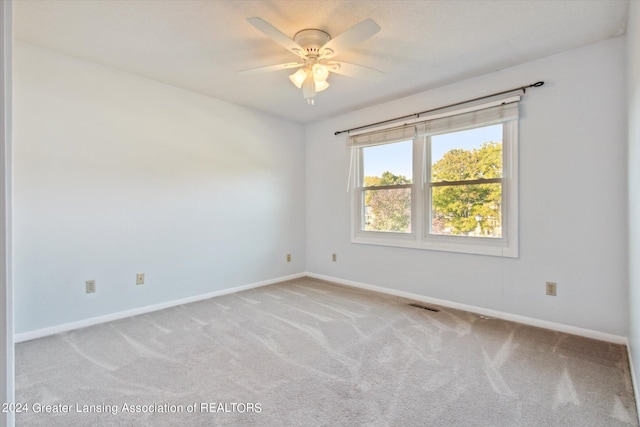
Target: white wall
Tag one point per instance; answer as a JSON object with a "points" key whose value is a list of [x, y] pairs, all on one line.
{"points": [[116, 174], [573, 194], [633, 57]]}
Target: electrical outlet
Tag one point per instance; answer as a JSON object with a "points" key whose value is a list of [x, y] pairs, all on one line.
{"points": [[91, 286], [551, 288], [140, 279], [334, 257], [288, 257]]}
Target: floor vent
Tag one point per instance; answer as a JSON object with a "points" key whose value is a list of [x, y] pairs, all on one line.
{"points": [[425, 307]]}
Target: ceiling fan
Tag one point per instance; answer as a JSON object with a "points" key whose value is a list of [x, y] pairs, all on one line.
{"points": [[315, 50]]}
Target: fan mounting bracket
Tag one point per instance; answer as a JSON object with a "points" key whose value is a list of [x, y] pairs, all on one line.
{"points": [[311, 40]]}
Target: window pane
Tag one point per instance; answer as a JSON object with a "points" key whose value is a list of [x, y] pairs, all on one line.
{"points": [[388, 164], [466, 155], [467, 210], [387, 210]]}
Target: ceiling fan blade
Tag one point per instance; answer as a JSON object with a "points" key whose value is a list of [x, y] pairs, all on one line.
{"points": [[353, 36], [354, 70], [278, 67], [277, 36]]}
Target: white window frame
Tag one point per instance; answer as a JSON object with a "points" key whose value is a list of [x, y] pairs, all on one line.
{"points": [[359, 202], [420, 236]]}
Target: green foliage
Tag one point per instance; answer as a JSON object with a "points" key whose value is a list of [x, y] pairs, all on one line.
{"points": [[387, 209], [455, 207], [459, 165], [387, 179]]}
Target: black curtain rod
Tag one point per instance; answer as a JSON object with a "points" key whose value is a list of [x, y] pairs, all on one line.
{"points": [[416, 115]]}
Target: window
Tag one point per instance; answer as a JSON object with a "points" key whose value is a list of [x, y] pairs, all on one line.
{"points": [[446, 183], [386, 194], [465, 179]]}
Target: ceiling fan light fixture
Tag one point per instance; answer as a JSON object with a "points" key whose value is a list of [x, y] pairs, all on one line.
{"points": [[321, 85], [298, 77], [314, 47], [320, 72], [309, 87]]}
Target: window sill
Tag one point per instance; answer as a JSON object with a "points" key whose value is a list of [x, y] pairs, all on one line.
{"points": [[457, 244]]}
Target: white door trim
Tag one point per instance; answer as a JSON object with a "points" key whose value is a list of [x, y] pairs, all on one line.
{"points": [[7, 376]]}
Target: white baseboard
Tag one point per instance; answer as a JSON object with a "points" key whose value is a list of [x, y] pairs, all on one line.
{"points": [[39, 333], [602, 336]]}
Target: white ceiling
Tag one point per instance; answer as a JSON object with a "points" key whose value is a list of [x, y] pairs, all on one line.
{"points": [[200, 44]]}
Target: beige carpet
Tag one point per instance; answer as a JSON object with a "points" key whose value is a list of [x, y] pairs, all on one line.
{"points": [[309, 353]]}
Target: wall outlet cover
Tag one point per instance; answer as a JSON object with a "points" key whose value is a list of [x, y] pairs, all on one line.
{"points": [[551, 288], [90, 286]]}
